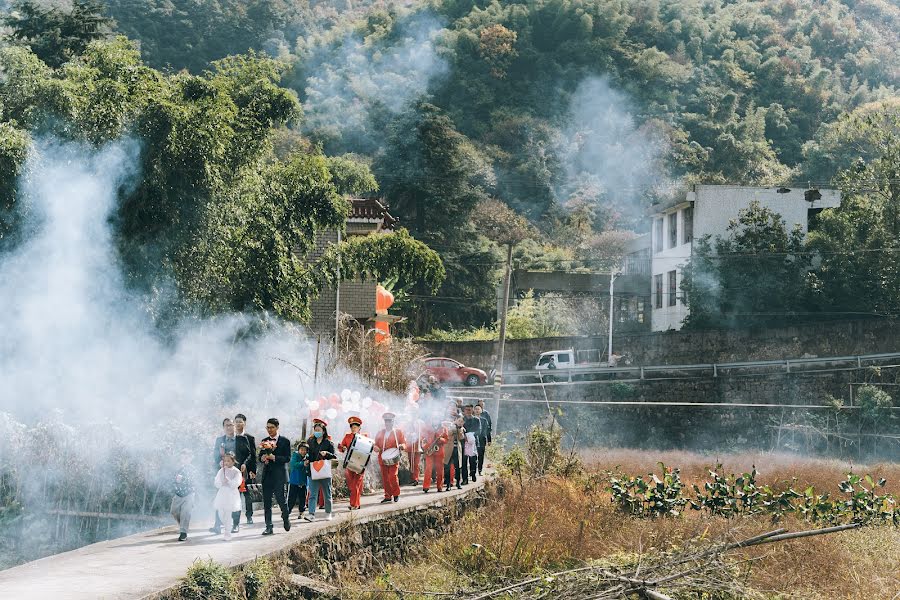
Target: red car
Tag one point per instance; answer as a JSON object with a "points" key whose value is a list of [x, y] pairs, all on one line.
{"points": [[453, 371]]}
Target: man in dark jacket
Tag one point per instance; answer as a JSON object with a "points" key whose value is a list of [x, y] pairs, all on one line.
{"points": [[245, 456], [484, 436], [275, 454], [472, 425]]}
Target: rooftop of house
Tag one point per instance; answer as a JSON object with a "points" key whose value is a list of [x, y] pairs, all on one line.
{"points": [[371, 210], [691, 192]]}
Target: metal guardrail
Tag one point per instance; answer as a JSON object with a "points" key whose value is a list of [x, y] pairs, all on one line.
{"points": [[788, 365]]}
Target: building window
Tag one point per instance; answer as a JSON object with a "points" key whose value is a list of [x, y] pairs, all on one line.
{"points": [[657, 235], [673, 287], [687, 219], [673, 229], [640, 311], [657, 290]]}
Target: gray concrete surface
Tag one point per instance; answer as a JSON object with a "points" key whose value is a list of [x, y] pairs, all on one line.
{"points": [[144, 564]]}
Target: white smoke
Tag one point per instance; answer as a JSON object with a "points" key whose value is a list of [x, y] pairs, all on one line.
{"points": [[75, 339], [608, 157], [354, 75]]}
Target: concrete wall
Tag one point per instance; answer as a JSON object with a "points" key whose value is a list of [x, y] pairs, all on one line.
{"points": [[693, 347], [716, 205]]}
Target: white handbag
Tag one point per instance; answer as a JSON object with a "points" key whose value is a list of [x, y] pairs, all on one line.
{"points": [[320, 469]]}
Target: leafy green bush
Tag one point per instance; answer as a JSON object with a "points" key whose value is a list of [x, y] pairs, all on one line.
{"points": [[207, 580], [732, 496], [654, 498], [255, 576], [728, 495]]}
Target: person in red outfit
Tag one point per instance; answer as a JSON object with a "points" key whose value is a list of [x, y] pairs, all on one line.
{"points": [[389, 437], [354, 480], [434, 437], [415, 442]]}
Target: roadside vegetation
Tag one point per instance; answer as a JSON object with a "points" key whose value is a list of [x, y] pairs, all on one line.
{"points": [[559, 512]]}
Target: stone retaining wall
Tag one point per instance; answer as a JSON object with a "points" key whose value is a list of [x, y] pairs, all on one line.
{"points": [[359, 546], [843, 338]]}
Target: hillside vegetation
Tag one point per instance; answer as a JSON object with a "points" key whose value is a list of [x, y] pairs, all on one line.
{"points": [[576, 113]]}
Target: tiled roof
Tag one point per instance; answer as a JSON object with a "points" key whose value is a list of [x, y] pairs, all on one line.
{"points": [[370, 209]]}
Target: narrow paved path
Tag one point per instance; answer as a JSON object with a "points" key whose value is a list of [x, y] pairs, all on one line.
{"points": [[144, 564]]}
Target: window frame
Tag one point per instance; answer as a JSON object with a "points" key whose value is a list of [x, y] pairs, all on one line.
{"points": [[672, 224], [687, 229], [672, 277], [657, 292]]}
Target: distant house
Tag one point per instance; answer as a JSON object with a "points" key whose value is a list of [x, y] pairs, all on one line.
{"points": [[368, 216], [631, 289], [708, 210]]}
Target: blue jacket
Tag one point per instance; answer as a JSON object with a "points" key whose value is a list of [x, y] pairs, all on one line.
{"points": [[299, 471]]}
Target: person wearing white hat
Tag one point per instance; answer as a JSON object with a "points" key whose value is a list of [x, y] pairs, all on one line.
{"points": [[389, 443]]}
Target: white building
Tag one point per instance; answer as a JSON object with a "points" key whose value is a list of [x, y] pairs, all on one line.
{"points": [[708, 210]]}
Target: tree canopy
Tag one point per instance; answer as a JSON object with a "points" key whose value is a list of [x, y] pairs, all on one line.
{"points": [[212, 205]]}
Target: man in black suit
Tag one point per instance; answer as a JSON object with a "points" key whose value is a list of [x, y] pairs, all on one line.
{"points": [[274, 476], [225, 443], [245, 456]]}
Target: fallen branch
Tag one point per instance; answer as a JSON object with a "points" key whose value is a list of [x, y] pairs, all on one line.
{"points": [[709, 571]]}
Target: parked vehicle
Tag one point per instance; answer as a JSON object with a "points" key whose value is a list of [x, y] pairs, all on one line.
{"points": [[554, 361], [566, 359], [447, 370]]}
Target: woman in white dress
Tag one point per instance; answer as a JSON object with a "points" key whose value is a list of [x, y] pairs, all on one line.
{"points": [[228, 498]]}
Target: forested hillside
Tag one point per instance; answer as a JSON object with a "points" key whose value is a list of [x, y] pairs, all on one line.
{"points": [[576, 113]]}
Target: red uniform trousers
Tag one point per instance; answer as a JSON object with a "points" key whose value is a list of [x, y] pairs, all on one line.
{"points": [[355, 485], [415, 458], [435, 463], [390, 479]]}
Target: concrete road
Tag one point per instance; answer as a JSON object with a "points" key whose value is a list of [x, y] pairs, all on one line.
{"points": [[144, 564]]}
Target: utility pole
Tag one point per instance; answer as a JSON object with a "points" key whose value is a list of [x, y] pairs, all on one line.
{"points": [[337, 296], [612, 279], [498, 367]]}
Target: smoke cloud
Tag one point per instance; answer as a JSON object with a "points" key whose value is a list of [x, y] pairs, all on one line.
{"points": [[354, 77], [609, 159], [92, 393], [76, 340]]}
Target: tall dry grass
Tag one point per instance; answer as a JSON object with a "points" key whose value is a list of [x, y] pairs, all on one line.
{"points": [[556, 522]]}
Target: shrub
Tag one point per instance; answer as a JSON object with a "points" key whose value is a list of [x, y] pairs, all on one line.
{"points": [[207, 580], [254, 577]]}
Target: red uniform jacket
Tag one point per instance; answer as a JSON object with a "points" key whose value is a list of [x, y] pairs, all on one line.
{"points": [[345, 443], [386, 440], [430, 435]]}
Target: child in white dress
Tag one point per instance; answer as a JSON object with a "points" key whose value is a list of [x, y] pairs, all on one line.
{"points": [[228, 498]]}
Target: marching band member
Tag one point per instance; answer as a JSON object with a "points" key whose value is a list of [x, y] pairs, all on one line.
{"points": [[354, 480], [434, 437], [414, 450], [386, 439]]}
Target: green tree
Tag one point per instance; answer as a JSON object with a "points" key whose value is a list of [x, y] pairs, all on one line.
{"points": [[213, 205], [56, 35], [755, 275], [859, 242]]}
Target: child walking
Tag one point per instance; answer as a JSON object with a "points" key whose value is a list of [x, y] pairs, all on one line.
{"points": [[298, 477], [228, 498], [183, 496]]}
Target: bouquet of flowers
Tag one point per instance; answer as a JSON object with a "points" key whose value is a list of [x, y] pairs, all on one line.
{"points": [[266, 447]]}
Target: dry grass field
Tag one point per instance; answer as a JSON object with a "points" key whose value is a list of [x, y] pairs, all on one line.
{"points": [[555, 522]]}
